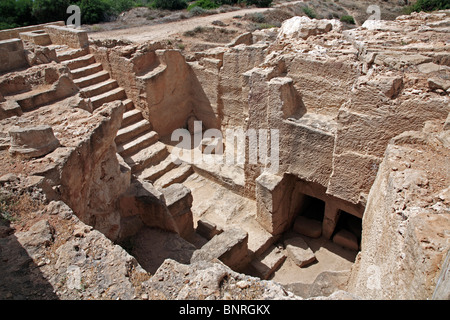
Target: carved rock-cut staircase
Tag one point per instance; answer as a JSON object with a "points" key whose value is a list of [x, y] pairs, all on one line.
{"points": [[136, 142]]}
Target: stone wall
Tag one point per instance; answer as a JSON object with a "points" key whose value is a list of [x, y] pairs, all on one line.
{"points": [[14, 33], [221, 99], [38, 37], [73, 38], [92, 189], [366, 123], [12, 55], [159, 82], [406, 222]]}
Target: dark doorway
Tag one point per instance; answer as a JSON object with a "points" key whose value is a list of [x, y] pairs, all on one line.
{"points": [[312, 208], [349, 223]]}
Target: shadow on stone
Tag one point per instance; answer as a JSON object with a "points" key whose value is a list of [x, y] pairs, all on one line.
{"points": [[152, 246], [20, 277]]}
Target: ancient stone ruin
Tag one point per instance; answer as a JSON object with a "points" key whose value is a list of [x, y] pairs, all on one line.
{"points": [[357, 206]]}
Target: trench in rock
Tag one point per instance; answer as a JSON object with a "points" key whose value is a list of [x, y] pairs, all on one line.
{"points": [[217, 203]]}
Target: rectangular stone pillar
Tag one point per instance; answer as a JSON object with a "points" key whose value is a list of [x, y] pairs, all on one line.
{"points": [[12, 55], [330, 219], [273, 202], [73, 38], [179, 202], [230, 247]]}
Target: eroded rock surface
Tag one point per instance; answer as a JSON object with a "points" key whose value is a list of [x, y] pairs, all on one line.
{"points": [[363, 123]]}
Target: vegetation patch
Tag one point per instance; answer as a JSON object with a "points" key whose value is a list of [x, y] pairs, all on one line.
{"points": [[204, 4], [348, 19], [428, 5], [309, 12], [16, 208], [19, 13]]}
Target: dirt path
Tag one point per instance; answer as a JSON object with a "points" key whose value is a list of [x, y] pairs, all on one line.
{"points": [[164, 31]]}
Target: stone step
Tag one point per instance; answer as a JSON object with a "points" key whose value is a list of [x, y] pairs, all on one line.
{"points": [[139, 143], [265, 265], [131, 116], [128, 133], [129, 105], [147, 157], [299, 251], [155, 172], [80, 62], [230, 247], [99, 88], [308, 227], [346, 239], [92, 79], [71, 54], [112, 95], [38, 37], [33, 99], [178, 199], [176, 175], [87, 74], [207, 229]]}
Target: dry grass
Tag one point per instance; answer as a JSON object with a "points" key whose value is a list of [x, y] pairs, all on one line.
{"points": [[18, 209], [211, 34], [137, 278], [11, 164]]}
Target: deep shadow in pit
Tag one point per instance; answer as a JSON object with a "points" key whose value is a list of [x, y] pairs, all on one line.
{"points": [[20, 277], [151, 246], [345, 239], [330, 230]]}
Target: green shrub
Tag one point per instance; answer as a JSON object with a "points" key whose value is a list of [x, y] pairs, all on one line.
{"points": [[230, 2], [7, 25], [50, 10], [204, 4], [197, 11], [260, 3], [23, 12], [267, 26], [17, 13], [169, 4], [428, 5], [309, 12], [93, 11], [257, 17], [348, 19], [196, 30], [119, 6], [7, 14]]}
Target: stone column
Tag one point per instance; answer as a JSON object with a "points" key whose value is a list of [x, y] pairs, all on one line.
{"points": [[273, 194], [330, 219]]}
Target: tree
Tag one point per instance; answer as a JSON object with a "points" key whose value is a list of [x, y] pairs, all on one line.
{"points": [[50, 10], [7, 14], [93, 11], [16, 13], [260, 3], [428, 5], [170, 4], [24, 14]]}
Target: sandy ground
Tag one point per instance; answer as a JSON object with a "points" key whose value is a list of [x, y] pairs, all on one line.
{"points": [[163, 31]]}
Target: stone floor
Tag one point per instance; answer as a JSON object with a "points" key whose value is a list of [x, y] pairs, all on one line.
{"points": [[218, 205], [330, 257]]}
